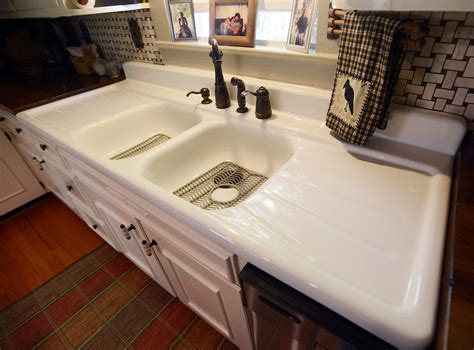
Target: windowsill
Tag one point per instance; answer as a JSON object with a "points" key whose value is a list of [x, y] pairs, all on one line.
{"points": [[257, 51]]}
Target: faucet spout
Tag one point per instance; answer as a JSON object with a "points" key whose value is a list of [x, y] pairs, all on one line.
{"points": [[215, 53], [221, 92]]}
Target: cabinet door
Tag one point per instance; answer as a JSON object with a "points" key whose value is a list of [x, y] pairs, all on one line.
{"points": [[211, 297], [127, 233], [18, 185]]}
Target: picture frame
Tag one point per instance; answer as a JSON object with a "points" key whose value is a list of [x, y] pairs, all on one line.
{"points": [[303, 15], [182, 22], [232, 22]]}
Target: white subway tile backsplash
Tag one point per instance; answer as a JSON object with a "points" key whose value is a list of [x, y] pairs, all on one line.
{"points": [[469, 71], [111, 33], [449, 31], [423, 62], [440, 75], [461, 48], [455, 65], [444, 93], [455, 109], [469, 112], [433, 78], [440, 104], [454, 16], [443, 48], [460, 96], [464, 82], [438, 63]]}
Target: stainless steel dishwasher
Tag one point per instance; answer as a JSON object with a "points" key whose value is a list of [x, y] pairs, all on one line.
{"points": [[282, 318]]}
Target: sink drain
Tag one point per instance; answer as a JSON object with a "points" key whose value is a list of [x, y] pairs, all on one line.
{"points": [[224, 186], [224, 193]]}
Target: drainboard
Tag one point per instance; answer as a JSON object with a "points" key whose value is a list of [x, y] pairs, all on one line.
{"points": [[224, 186], [142, 147]]}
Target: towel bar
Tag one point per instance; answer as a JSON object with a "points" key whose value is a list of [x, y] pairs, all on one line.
{"points": [[415, 32]]}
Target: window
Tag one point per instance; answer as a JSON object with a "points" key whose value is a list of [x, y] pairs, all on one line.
{"points": [[273, 21]]}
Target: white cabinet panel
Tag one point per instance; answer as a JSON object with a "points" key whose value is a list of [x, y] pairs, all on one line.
{"points": [[210, 296], [18, 185], [128, 233]]}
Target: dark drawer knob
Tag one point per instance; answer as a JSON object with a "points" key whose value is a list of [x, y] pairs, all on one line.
{"points": [[18, 130], [43, 147], [95, 227], [2, 119], [69, 188]]}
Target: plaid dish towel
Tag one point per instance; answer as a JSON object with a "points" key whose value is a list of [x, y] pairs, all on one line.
{"points": [[368, 65]]}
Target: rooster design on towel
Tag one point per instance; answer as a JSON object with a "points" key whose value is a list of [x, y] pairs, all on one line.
{"points": [[349, 96]]}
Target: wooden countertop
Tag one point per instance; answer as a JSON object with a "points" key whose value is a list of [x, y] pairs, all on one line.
{"points": [[19, 94]]}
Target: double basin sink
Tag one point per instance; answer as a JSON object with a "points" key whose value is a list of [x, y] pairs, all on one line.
{"points": [[190, 152]]}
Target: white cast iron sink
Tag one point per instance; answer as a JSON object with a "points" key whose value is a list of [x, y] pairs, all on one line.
{"points": [[126, 130], [255, 149]]}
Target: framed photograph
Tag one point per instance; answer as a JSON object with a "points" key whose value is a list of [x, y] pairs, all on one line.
{"points": [[301, 25], [182, 20], [232, 22]]}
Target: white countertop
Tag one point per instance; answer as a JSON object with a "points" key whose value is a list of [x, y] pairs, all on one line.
{"points": [[360, 230]]}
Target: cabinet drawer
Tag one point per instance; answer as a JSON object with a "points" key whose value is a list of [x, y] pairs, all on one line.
{"points": [[48, 149], [17, 132], [70, 188]]}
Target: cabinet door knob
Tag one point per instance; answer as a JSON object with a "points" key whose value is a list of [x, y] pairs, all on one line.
{"points": [[43, 147], [69, 188], [147, 247], [125, 231], [95, 227], [18, 130]]}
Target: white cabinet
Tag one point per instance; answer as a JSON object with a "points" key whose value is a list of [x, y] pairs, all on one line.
{"points": [[216, 300], [128, 233], [202, 274], [18, 185]]}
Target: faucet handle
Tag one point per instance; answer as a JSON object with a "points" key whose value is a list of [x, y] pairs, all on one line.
{"points": [[263, 109], [204, 92]]}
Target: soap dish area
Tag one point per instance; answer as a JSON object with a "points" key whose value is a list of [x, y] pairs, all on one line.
{"points": [[142, 147], [223, 186]]}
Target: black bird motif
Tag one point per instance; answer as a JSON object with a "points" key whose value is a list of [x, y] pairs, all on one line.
{"points": [[349, 96]]}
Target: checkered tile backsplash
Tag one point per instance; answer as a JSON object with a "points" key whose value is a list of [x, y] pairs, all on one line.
{"points": [[110, 31], [440, 75]]}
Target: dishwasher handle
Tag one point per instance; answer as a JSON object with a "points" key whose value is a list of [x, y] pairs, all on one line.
{"points": [[279, 309]]}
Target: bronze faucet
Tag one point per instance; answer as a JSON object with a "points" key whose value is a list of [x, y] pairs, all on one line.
{"points": [[222, 95]]}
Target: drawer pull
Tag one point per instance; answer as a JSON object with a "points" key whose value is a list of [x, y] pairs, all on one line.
{"points": [[38, 163], [43, 147], [95, 227], [70, 188], [126, 231], [147, 247], [279, 309], [18, 130]]}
